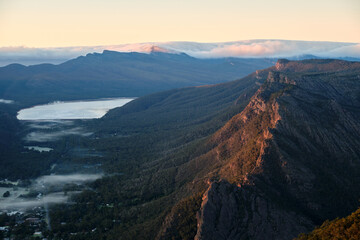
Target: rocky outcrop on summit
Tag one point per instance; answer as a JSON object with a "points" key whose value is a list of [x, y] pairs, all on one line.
{"points": [[316, 66], [291, 159]]}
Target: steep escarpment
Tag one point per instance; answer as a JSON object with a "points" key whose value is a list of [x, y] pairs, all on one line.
{"points": [[265, 157], [245, 213], [289, 160]]}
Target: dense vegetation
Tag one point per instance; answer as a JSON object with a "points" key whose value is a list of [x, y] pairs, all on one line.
{"points": [[14, 158], [340, 228], [146, 141]]}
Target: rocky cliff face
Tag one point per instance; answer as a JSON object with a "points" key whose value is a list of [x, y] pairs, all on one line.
{"points": [[290, 160], [245, 213]]}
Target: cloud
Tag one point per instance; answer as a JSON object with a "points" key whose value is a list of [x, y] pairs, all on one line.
{"points": [[39, 149], [246, 48], [348, 51], [6, 101], [268, 48], [264, 48], [61, 180], [49, 190], [22, 204], [56, 135]]}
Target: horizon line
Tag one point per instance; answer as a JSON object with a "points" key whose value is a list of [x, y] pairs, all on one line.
{"points": [[176, 41]]}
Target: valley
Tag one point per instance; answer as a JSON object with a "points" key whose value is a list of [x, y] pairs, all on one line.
{"points": [[191, 120], [47, 125]]}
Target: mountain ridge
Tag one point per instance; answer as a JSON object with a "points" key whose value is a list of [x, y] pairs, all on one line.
{"points": [[270, 155], [116, 74], [255, 162]]}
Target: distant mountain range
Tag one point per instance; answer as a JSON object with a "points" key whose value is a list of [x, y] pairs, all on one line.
{"points": [[269, 48], [117, 74]]}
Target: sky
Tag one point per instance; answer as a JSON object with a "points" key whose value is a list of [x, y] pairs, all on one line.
{"points": [[64, 23]]}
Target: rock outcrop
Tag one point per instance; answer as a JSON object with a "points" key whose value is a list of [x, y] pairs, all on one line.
{"points": [[291, 159]]}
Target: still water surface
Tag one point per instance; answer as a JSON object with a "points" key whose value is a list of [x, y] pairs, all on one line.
{"points": [[72, 110]]}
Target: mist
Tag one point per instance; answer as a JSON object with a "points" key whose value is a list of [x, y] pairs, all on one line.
{"points": [[49, 124], [49, 190], [61, 180], [6, 101], [39, 136], [19, 204]]}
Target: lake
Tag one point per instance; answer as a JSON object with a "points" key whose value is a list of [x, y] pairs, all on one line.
{"points": [[72, 110]]}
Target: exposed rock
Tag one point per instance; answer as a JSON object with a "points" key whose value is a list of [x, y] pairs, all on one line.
{"points": [[229, 212], [288, 161], [294, 152]]}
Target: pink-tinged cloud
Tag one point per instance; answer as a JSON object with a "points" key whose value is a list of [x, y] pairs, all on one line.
{"points": [[264, 48], [242, 49], [267, 48]]}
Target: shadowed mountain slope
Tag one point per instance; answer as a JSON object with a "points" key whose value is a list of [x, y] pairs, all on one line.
{"points": [[288, 160], [146, 141]]}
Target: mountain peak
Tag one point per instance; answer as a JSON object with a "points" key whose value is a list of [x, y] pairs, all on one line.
{"points": [[281, 64], [155, 48]]}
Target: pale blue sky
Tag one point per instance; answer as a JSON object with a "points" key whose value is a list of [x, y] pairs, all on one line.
{"points": [[54, 23]]}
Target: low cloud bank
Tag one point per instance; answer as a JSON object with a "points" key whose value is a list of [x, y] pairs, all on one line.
{"points": [[246, 48], [44, 186], [267, 48], [50, 124], [6, 101], [61, 180], [54, 136], [22, 205]]}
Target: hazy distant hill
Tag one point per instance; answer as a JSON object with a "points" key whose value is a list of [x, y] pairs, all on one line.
{"points": [[115, 74]]}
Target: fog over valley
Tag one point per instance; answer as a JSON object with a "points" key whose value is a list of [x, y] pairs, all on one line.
{"points": [[44, 190], [40, 136], [6, 101]]}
